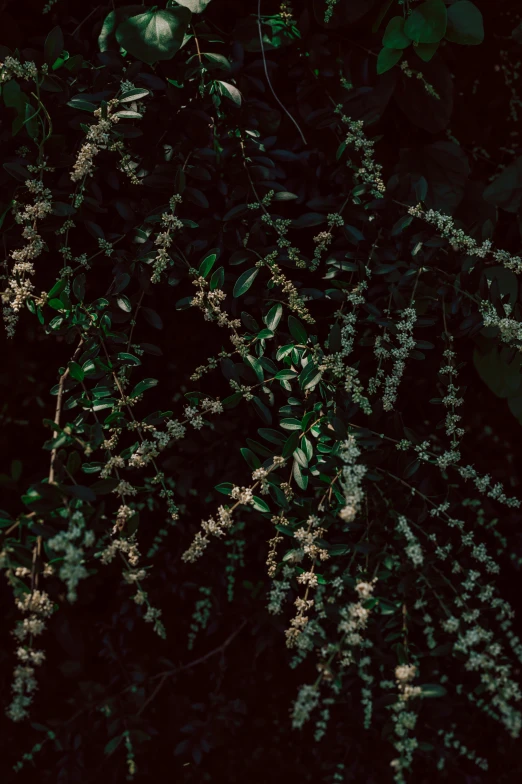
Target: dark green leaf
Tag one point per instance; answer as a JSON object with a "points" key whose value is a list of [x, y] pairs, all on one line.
{"points": [[465, 24], [244, 281], [394, 36], [387, 59], [427, 22]]}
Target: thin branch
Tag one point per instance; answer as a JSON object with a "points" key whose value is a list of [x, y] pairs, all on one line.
{"points": [[283, 107], [163, 676]]}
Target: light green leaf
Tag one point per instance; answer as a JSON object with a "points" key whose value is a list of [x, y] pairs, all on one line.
{"points": [[273, 317], [154, 35], [230, 91], [260, 505], [133, 95], [124, 303]]}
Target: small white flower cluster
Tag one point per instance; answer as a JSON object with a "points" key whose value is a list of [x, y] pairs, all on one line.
{"points": [[169, 223], [296, 302], [406, 344], [129, 552], [484, 485], [200, 616], [413, 548], [451, 401], [209, 302], [412, 72], [72, 543], [453, 743], [217, 527], [351, 479], [369, 172], [279, 590], [123, 515], [307, 538], [354, 618], [19, 287], [510, 329], [335, 362], [36, 606], [460, 241], [12, 67], [323, 240], [307, 700], [404, 720], [98, 138]]}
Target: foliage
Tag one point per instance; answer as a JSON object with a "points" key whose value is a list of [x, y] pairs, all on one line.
{"points": [[267, 268]]}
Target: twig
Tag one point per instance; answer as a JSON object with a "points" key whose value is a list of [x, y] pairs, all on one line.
{"points": [[163, 676], [283, 107]]}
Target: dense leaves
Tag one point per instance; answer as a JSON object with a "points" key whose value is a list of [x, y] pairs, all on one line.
{"points": [[261, 391]]}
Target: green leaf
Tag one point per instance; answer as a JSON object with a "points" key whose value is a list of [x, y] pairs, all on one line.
{"points": [[426, 51], [387, 59], [274, 436], [262, 410], [78, 286], [133, 95], [338, 549], [218, 60], [153, 318], [76, 371], [506, 190], [113, 744], [144, 384], [427, 22], [260, 505], [16, 470], [244, 281], [124, 303], [154, 35], [217, 279], [128, 359], [196, 6], [53, 46], [290, 423], [256, 366], [465, 23], [111, 22], [128, 114], [207, 264], [297, 330], [80, 103], [252, 460], [225, 488], [273, 317], [300, 478], [57, 288], [229, 91], [13, 96], [394, 36], [433, 690]]}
